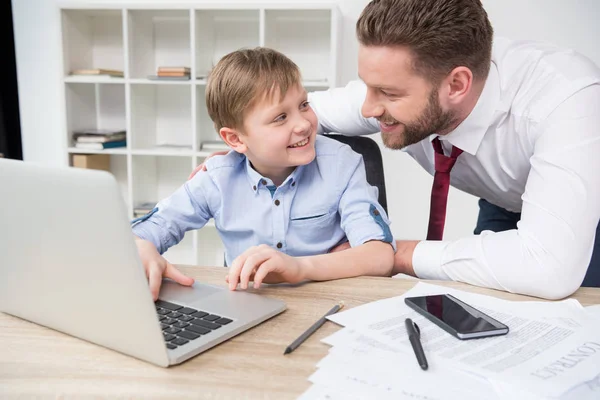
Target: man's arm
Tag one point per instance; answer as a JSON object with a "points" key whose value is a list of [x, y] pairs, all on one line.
{"points": [[339, 110], [548, 255]]}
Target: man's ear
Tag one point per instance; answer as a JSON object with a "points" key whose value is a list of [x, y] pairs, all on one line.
{"points": [[234, 139], [458, 84]]}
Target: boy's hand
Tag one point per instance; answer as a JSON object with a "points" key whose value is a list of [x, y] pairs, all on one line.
{"points": [[258, 261], [202, 167], [156, 266]]}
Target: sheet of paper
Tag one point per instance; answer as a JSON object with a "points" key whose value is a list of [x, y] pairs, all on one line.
{"points": [[593, 311], [356, 355], [322, 392], [544, 355]]}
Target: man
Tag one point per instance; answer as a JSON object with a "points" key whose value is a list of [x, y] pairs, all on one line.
{"points": [[516, 124]]}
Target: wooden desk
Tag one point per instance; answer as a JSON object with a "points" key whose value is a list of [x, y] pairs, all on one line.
{"points": [[38, 362]]}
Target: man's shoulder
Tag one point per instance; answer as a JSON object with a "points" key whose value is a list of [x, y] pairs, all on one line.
{"points": [[539, 61], [535, 77]]}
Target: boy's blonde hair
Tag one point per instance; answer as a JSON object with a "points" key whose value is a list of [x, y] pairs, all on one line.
{"points": [[243, 78]]}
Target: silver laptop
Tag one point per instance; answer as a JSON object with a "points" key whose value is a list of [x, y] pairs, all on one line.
{"points": [[68, 261]]}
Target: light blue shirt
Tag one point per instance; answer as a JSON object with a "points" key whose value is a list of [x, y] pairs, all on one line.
{"points": [[318, 206]]}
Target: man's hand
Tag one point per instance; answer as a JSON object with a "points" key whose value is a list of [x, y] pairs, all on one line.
{"points": [[259, 261], [202, 167], [403, 257], [156, 266]]}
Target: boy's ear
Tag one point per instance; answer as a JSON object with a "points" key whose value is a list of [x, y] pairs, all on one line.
{"points": [[234, 139]]}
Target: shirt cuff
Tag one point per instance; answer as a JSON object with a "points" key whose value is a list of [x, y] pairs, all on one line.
{"points": [[427, 260]]}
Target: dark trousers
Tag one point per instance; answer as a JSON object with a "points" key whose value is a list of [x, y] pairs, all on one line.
{"points": [[496, 219]]}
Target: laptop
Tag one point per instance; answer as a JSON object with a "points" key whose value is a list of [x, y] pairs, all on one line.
{"points": [[68, 261]]}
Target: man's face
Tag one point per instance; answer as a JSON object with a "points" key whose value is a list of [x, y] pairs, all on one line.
{"points": [[407, 105]]}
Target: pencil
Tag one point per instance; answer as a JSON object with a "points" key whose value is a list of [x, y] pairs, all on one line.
{"points": [[312, 329]]}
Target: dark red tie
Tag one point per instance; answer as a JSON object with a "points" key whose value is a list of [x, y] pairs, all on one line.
{"points": [[439, 191]]}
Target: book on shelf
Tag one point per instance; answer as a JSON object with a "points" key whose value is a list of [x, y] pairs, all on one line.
{"points": [[169, 78], [99, 132], [161, 74], [98, 71], [101, 146], [181, 70], [215, 145], [100, 138]]}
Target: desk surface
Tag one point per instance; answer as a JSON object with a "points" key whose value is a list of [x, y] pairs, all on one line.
{"points": [[39, 362]]}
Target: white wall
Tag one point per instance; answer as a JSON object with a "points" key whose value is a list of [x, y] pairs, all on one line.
{"points": [[571, 23]]}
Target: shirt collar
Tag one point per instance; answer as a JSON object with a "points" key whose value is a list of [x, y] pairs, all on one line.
{"points": [[469, 134], [257, 180]]}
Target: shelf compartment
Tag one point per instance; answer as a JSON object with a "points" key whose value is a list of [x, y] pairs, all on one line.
{"points": [[92, 39], [205, 128], [219, 32], [94, 106], [158, 38], [157, 177], [161, 115], [117, 167], [305, 37]]}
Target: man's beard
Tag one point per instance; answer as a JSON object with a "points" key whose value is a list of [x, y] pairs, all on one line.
{"points": [[432, 120]]}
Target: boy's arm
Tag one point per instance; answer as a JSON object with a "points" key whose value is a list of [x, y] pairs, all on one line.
{"points": [[374, 258], [186, 209]]}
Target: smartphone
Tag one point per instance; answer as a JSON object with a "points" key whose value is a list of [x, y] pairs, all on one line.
{"points": [[456, 317]]}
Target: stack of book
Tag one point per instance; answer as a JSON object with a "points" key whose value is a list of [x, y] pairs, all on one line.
{"points": [[172, 73], [99, 139], [98, 71]]}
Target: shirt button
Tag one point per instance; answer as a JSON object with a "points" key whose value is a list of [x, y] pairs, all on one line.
{"points": [[254, 187], [279, 245], [376, 212], [263, 181], [293, 183], [276, 202]]}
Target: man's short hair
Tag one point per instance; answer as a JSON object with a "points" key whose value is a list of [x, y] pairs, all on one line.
{"points": [[440, 34], [244, 77]]}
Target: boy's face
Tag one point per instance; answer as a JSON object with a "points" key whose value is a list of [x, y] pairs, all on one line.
{"points": [[279, 134]]}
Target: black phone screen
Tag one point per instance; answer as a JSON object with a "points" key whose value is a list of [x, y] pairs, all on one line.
{"points": [[457, 315]]}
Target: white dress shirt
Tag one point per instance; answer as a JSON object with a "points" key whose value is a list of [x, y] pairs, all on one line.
{"points": [[531, 145]]}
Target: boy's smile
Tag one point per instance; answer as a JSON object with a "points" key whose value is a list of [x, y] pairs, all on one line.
{"points": [[301, 143]]}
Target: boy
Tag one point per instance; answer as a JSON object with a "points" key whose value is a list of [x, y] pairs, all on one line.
{"points": [[282, 198]]}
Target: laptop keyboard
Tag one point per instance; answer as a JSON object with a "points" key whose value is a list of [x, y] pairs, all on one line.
{"points": [[181, 325]]}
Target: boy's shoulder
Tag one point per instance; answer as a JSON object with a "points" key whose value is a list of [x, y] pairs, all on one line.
{"points": [[230, 161], [326, 146]]}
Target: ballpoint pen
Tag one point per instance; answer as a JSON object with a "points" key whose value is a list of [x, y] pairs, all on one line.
{"points": [[313, 328], [414, 336]]}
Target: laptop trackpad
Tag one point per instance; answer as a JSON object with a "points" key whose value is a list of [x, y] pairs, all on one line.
{"points": [[173, 291]]}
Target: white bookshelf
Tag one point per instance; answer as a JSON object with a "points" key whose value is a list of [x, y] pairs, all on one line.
{"points": [[166, 121]]}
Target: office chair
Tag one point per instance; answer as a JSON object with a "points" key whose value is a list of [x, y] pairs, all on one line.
{"points": [[371, 153]]}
